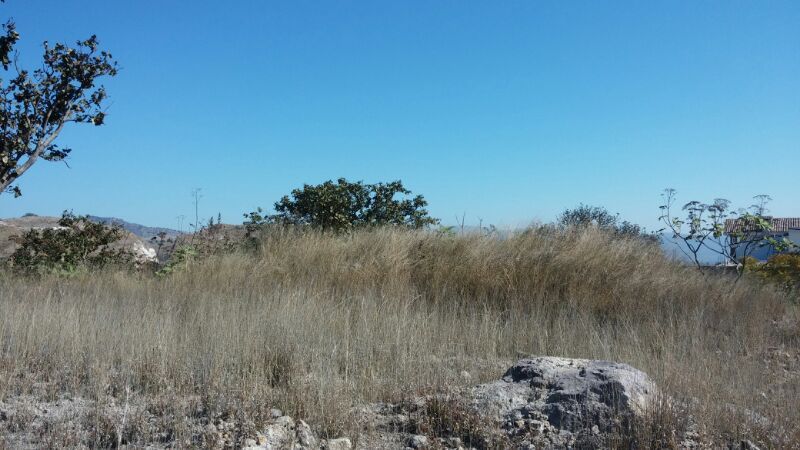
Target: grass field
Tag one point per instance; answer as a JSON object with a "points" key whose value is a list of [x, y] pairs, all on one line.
{"points": [[317, 324]]}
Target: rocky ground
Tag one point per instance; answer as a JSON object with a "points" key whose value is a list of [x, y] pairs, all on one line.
{"points": [[540, 402]]}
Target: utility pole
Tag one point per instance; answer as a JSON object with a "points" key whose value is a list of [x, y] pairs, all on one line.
{"points": [[197, 196]]}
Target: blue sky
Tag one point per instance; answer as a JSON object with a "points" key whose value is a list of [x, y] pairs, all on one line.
{"points": [[504, 111]]}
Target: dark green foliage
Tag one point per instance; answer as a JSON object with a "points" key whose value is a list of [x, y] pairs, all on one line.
{"points": [[585, 216], [343, 205], [35, 106], [76, 243]]}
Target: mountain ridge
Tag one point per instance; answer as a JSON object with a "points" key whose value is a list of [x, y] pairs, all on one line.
{"points": [[143, 231]]}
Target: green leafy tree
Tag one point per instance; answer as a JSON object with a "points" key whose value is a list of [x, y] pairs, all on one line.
{"points": [[35, 106], [344, 205]]}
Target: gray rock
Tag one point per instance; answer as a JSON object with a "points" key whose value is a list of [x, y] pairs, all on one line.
{"points": [[338, 444], [279, 434], [454, 442], [305, 436], [748, 445], [554, 401], [418, 441], [284, 433], [285, 421]]}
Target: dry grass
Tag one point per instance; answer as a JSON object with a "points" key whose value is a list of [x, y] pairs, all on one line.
{"points": [[316, 324]]}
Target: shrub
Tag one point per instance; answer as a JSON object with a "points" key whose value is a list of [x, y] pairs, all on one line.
{"points": [[213, 239], [584, 216], [782, 269], [76, 243], [179, 260]]}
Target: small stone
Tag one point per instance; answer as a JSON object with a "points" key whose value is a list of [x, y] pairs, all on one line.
{"points": [[748, 445], [418, 441], [275, 413], [304, 435], [338, 444], [249, 442], [595, 430], [285, 421], [280, 433]]}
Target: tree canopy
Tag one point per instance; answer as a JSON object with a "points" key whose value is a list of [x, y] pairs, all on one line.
{"points": [[343, 205], [35, 106], [597, 216]]}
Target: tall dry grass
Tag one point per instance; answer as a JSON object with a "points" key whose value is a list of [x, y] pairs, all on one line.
{"points": [[317, 324]]}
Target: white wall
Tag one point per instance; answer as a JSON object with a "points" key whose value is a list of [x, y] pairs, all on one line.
{"points": [[794, 236], [763, 253]]}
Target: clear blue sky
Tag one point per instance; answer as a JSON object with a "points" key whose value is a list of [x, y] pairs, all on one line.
{"points": [[505, 111]]}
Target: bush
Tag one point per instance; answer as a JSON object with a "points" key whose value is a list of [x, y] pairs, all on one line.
{"points": [[782, 269], [76, 243], [344, 205], [178, 260], [585, 216]]}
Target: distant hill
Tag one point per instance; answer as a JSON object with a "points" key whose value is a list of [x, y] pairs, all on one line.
{"points": [[142, 231]]}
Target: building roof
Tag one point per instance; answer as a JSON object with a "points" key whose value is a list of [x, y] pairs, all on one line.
{"points": [[778, 224]]}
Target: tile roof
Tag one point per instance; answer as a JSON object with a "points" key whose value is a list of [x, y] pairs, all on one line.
{"points": [[778, 224]]}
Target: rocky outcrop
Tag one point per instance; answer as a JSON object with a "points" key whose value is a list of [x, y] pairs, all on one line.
{"points": [[554, 401], [142, 253], [540, 402], [285, 433]]}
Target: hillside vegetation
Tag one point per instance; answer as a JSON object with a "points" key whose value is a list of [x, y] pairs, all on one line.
{"points": [[317, 324]]}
